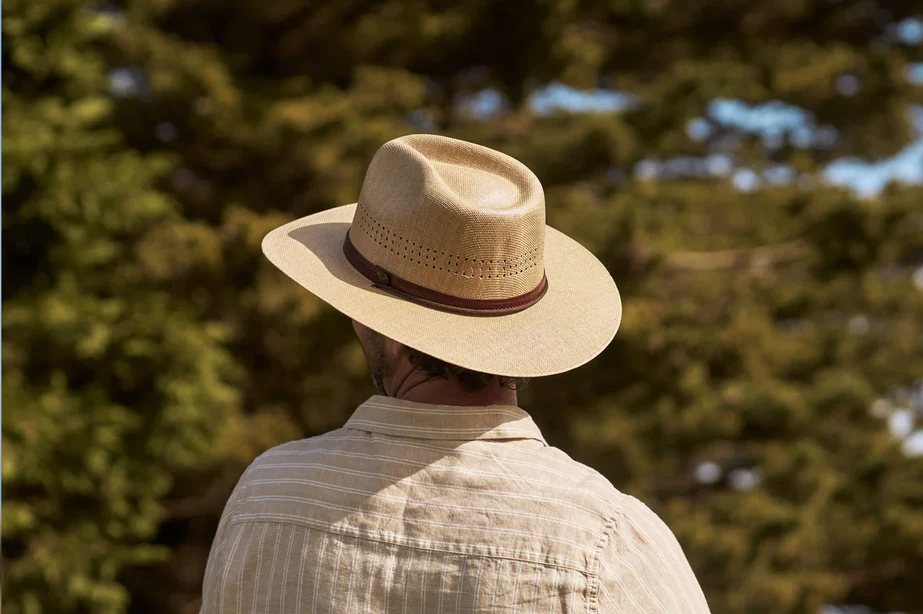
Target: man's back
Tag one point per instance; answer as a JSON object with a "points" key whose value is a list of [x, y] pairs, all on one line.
{"points": [[422, 508]]}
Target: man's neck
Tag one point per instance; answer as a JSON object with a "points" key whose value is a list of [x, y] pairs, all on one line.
{"points": [[417, 386]]}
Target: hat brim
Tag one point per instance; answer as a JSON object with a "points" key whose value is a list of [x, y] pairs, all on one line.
{"points": [[575, 320]]}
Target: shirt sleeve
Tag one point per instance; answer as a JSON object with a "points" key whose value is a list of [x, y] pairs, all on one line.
{"points": [[218, 554], [643, 569]]}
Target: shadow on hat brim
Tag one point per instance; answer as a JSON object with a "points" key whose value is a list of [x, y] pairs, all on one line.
{"points": [[571, 324]]}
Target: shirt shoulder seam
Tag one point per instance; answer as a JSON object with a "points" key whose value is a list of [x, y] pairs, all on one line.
{"points": [[593, 583]]}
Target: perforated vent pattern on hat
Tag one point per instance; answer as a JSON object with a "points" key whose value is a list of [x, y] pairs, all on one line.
{"points": [[434, 258]]}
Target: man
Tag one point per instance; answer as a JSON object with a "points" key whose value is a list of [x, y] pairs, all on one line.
{"points": [[440, 494]]}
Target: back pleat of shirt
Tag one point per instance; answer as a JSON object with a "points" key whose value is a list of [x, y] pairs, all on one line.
{"points": [[398, 491], [413, 508], [305, 570]]}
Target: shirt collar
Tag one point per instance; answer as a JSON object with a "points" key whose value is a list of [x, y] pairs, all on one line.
{"points": [[389, 416]]}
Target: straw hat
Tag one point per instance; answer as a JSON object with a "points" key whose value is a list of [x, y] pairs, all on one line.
{"points": [[447, 252]]}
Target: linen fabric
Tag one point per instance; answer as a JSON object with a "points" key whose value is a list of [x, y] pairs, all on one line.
{"points": [[413, 507]]}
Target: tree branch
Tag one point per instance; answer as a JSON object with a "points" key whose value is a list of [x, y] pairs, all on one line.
{"points": [[208, 502], [749, 258]]}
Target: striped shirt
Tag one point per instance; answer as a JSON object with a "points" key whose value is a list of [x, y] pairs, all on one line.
{"points": [[433, 508]]}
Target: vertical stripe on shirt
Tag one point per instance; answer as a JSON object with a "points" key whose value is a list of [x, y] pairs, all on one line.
{"points": [[406, 495], [267, 596], [461, 583]]}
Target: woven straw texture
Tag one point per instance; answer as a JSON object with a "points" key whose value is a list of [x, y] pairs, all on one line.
{"points": [[493, 205], [444, 195]]}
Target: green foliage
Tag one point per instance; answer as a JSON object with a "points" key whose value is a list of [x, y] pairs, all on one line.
{"points": [[150, 352], [110, 383], [768, 370]]}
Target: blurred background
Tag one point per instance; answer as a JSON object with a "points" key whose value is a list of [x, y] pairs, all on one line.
{"points": [[749, 171]]}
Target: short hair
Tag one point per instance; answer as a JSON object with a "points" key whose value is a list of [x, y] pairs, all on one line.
{"points": [[471, 381]]}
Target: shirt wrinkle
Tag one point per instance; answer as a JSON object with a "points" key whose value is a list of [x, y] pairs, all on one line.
{"points": [[370, 514]]}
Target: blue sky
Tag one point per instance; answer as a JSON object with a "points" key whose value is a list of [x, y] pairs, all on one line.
{"points": [[775, 122]]}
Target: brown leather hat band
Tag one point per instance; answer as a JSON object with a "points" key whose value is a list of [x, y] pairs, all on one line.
{"points": [[410, 291]]}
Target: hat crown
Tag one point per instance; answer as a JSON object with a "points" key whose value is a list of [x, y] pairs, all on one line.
{"points": [[452, 216]]}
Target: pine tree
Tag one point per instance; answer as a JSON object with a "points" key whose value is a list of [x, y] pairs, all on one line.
{"points": [[111, 382]]}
